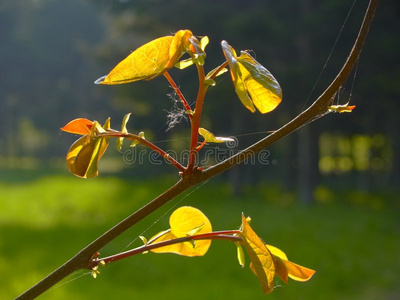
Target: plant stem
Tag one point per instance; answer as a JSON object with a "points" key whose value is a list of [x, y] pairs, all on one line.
{"points": [[196, 118], [134, 137], [225, 64], [178, 92], [84, 257], [223, 235]]}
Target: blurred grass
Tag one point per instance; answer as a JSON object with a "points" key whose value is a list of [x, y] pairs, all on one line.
{"points": [[351, 238]]}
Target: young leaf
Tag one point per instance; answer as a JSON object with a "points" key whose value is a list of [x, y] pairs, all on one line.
{"points": [[255, 86], [240, 254], [120, 140], [295, 271], [150, 60], [262, 263], [84, 154], [183, 64], [342, 108], [78, 126], [197, 49], [185, 221], [211, 138]]}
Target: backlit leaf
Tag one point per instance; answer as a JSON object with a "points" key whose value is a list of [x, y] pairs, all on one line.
{"points": [[197, 49], [262, 263], [183, 64], [185, 221], [78, 126], [211, 138], [280, 269], [295, 271], [255, 86], [84, 154], [240, 254], [150, 60]]}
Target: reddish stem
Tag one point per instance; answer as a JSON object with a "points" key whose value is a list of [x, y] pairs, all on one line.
{"points": [[178, 92], [134, 137], [201, 146], [225, 64], [196, 118], [217, 235]]}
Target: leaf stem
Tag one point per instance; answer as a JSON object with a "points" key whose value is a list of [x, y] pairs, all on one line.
{"points": [[178, 92], [225, 64], [134, 137]]}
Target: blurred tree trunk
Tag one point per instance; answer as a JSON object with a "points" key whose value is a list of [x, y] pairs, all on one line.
{"points": [[308, 148]]}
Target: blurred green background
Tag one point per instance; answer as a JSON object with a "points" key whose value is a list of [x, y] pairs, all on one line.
{"points": [[327, 195]]}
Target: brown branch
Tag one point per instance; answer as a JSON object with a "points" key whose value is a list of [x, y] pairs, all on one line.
{"points": [[318, 108]]}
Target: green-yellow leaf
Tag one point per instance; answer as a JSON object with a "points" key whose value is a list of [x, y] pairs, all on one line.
{"points": [[185, 221], [240, 254], [150, 60], [262, 263], [120, 140], [211, 138], [183, 64], [255, 86], [204, 42]]}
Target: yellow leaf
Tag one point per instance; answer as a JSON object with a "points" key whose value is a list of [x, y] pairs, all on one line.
{"points": [[342, 108], [277, 252], [295, 271], [185, 221], [240, 254], [280, 269], [255, 86], [179, 44], [262, 263], [183, 64], [204, 42], [211, 138], [150, 60]]}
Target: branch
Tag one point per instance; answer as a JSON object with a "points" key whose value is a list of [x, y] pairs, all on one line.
{"points": [[317, 109]]}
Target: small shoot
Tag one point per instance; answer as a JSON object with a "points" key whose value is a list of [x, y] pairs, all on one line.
{"points": [[120, 140], [84, 154], [211, 138], [346, 108]]}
